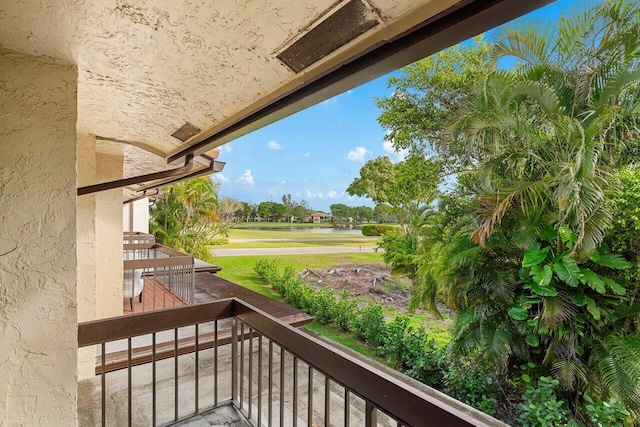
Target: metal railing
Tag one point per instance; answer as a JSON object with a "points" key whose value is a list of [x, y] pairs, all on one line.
{"points": [[272, 373], [129, 237], [167, 274]]}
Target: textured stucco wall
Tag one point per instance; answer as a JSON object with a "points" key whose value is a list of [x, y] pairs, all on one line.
{"points": [[38, 330], [108, 232], [99, 231]]}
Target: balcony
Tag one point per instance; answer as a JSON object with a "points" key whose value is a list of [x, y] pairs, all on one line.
{"points": [[155, 276], [245, 367]]}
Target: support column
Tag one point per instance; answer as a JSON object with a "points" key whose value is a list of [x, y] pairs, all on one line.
{"points": [[38, 316]]}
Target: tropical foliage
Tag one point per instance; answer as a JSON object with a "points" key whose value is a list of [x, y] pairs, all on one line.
{"points": [[535, 246], [184, 217]]}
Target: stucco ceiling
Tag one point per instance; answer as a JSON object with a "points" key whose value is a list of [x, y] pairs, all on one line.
{"points": [[147, 67]]}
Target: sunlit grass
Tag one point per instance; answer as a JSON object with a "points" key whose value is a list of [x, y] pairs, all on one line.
{"points": [[305, 244], [282, 225], [281, 234]]}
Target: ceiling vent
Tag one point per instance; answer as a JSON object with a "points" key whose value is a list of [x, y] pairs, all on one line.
{"points": [[336, 30], [186, 132]]}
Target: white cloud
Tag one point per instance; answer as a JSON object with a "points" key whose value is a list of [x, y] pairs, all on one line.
{"points": [[273, 145], [298, 194], [283, 182], [357, 154], [318, 195], [227, 148], [387, 146], [221, 177], [246, 178], [307, 154], [333, 194]]}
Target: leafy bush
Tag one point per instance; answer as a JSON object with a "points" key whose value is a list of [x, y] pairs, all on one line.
{"points": [[540, 407], [323, 306], [346, 312], [605, 414], [370, 325], [422, 358], [472, 384], [376, 229]]}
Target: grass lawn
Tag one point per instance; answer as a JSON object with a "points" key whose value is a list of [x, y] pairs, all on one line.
{"points": [[239, 269], [347, 339], [282, 225], [281, 234], [303, 244]]}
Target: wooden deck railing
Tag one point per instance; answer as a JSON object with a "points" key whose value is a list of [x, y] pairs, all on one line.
{"points": [[274, 374]]}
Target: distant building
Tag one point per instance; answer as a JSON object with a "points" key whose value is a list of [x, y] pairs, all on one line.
{"points": [[319, 217]]}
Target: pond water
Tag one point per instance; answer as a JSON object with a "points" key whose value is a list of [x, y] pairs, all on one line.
{"points": [[312, 230]]}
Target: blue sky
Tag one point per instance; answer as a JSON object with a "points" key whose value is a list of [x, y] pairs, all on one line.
{"points": [[314, 155]]}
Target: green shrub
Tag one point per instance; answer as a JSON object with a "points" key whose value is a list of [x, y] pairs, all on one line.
{"points": [[376, 229], [540, 407], [472, 384], [393, 343], [604, 414], [323, 306], [345, 312], [422, 358], [369, 324]]}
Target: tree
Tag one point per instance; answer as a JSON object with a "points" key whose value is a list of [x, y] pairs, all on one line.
{"points": [[341, 212], [245, 211], [382, 213], [301, 210], [184, 216], [270, 211], [428, 93], [363, 213], [288, 204], [536, 283], [406, 186], [519, 247], [226, 211]]}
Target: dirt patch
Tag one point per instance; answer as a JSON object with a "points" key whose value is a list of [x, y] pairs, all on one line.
{"points": [[367, 282]]}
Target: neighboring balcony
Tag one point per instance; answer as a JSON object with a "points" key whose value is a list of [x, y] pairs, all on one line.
{"points": [[229, 363]]}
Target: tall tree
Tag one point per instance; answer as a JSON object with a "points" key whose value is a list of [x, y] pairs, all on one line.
{"points": [[406, 186], [184, 217], [428, 93], [341, 212], [546, 140]]}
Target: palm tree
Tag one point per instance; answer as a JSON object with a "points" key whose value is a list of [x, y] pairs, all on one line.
{"points": [[184, 217], [549, 132], [547, 140]]}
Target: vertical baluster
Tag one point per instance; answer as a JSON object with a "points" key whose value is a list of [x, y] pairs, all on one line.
{"points": [[104, 383], [234, 359], [153, 283], [129, 408], [295, 391], [310, 397], [197, 358], [270, 401], [164, 292], [327, 401], [241, 364], [250, 394], [259, 380], [215, 364], [347, 407], [282, 355], [175, 373], [370, 417], [153, 377]]}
